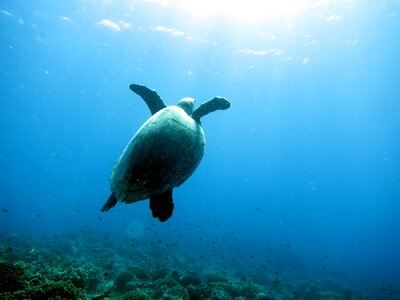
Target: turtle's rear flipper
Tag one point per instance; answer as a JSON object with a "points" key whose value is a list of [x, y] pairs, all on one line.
{"points": [[162, 206], [111, 202]]}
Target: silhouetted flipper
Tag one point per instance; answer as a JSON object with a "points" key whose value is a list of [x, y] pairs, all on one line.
{"points": [[217, 103], [111, 202], [152, 99], [162, 206]]}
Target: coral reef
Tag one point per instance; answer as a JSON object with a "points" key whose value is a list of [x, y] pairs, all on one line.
{"points": [[54, 270], [24, 281], [12, 276], [21, 280]]}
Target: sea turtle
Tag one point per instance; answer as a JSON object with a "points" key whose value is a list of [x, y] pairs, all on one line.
{"points": [[162, 154]]}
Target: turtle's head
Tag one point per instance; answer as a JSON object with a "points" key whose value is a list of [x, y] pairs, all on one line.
{"points": [[187, 104]]}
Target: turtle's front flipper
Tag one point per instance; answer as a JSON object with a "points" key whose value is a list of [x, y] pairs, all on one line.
{"points": [[162, 206], [111, 202], [214, 104], [152, 99]]}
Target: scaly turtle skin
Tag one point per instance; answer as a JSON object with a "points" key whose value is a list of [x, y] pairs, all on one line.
{"points": [[163, 153]]}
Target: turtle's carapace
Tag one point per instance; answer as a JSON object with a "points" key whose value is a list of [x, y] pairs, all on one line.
{"points": [[163, 153]]}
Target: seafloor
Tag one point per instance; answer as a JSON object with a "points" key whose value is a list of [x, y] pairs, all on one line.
{"points": [[98, 266]]}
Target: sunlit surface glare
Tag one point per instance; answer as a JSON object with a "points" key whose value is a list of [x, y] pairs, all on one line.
{"points": [[248, 11]]}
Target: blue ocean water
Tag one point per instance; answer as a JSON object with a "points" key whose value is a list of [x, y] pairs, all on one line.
{"points": [[302, 170]]}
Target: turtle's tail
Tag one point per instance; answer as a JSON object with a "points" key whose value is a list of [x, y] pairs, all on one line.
{"points": [[111, 202]]}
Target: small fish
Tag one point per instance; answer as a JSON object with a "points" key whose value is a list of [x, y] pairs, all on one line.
{"points": [[4, 210]]}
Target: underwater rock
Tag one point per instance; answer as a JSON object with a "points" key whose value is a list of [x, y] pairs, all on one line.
{"points": [[58, 290], [176, 293], [215, 277], [84, 276], [167, 281], [220, 295], [122, 280], [142, 273], [313, 290], [138, 294], [104, 296], [159, 272], [190, 278], [243, 288], [197, 292], [262, 296], [175, 274]]}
